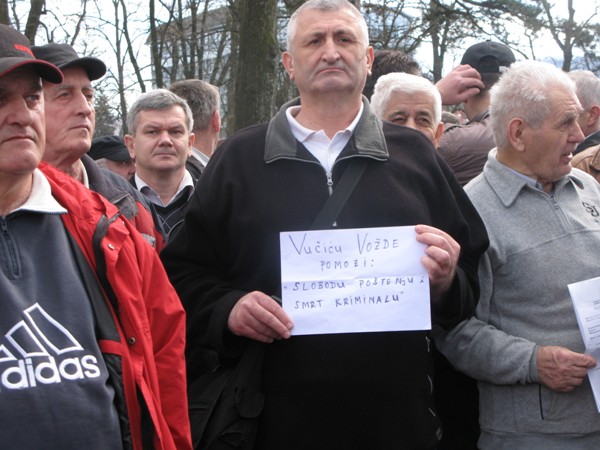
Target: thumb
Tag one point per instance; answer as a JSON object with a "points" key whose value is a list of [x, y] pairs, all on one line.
{"points": [[583, 360]]}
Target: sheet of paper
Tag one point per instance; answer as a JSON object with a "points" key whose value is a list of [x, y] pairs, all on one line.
{"points": [[354, 280], [586, 301]]}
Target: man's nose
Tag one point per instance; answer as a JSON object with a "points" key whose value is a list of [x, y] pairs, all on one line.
{"points": [[330, 50], [164, 138], [84, 105], [411, 123], [20, 113]]}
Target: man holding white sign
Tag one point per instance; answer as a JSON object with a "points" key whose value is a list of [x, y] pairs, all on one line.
{"points": [[351, 390]]}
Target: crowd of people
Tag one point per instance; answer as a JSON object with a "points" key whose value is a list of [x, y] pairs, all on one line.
{"points": [[133, 265]]}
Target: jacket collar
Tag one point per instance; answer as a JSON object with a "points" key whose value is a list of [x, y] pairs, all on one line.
{"points": [[367, 140], [74, 197], [507, 185], [589, 141], [40, 199], [481, 116]]}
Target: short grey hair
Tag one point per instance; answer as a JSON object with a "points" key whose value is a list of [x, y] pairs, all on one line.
{"points": [[324, 5], [157, 100], [525, 91], [203, 99], [404, 83], [588, 87]]}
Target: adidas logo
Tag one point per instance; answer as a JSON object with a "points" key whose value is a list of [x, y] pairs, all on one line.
{"points": [[39, 351]]}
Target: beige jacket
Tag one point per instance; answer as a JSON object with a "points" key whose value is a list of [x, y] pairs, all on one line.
{"points": [[588, 161]]}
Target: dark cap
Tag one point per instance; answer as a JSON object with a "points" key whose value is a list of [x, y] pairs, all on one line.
{"points": [[109, 147], [64, 56], [498, 57], [15, 52]]}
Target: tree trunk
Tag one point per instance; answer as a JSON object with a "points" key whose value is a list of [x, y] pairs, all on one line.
{"points": [[258, 52], [4, 12], [436, 44], [154, 49], [33, 19]]}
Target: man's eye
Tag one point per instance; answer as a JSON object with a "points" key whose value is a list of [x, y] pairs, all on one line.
{"points": [[34, 98]]}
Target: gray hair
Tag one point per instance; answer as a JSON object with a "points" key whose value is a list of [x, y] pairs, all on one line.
{"points": [[203, 99], [324, 5], [525, 91], [157, 100], [404, 83], [588, 87]]}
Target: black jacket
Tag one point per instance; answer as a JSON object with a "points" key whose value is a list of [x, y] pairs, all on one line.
{"points": [[351, 391], [591, 140]]}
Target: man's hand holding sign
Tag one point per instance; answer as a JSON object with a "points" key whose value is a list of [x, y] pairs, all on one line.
{"points": [[352, 281]]}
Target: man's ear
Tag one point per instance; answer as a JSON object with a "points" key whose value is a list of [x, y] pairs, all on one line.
{"points": [[370, 57], [516, 130], [594, 117], [215, 121], [191, 140], [288, 62], [129, 143], [438, 134]]}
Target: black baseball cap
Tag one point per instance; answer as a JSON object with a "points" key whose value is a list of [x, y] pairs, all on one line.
{"points": [[489, 57], [15, 52], [64, 56], [109, 147]]}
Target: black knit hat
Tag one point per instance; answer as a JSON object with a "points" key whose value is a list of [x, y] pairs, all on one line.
{"points": [[489, 57], [15, 52], [64, 56], [109, 147]]}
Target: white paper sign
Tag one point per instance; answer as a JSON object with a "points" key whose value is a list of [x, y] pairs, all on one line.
{"points": [[586, 301], [354, 280]]}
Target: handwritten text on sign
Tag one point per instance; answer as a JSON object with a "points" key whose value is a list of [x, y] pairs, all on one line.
{"points": [[354, 280]]}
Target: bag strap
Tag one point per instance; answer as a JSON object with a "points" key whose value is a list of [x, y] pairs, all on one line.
{"points": [[340, 194]]}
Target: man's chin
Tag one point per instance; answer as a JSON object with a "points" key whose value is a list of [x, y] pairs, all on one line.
{"points": [[24, 165], [82, 148], [73, 150], [165, 166], [336, 87]]}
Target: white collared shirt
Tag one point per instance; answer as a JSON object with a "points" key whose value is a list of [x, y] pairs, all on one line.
{"points": [[324, 149], [200, 156], [40, 199], [153, 196], [84, 176]]}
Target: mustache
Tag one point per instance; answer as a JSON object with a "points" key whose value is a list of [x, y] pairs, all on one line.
{"points": [[327, 66]]}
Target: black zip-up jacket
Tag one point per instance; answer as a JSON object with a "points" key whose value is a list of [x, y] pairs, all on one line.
{"points": [[350, 391]]}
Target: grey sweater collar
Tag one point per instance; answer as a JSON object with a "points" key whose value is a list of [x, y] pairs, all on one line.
{"points": [[507, 185]]}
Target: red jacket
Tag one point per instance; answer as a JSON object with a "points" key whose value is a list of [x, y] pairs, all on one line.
{"points": [[146, 360]]}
